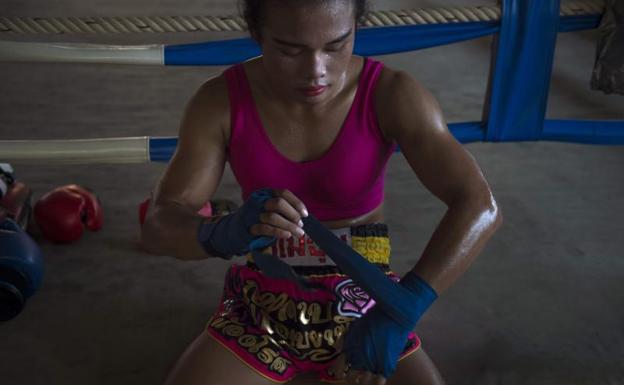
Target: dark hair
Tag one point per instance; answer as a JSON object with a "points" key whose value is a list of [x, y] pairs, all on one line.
{"points": [[252, 12]]}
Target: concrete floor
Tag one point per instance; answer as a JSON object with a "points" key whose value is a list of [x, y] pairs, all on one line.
{"points": [[543, 304]]}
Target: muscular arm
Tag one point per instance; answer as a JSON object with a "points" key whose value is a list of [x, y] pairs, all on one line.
{"points": [[409, 114], [191, 177]]}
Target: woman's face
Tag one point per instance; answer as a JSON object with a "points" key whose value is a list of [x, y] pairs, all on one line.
{"points": [[307, 47]]}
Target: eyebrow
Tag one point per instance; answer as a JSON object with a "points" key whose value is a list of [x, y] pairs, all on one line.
{"points": [[289, 43]]}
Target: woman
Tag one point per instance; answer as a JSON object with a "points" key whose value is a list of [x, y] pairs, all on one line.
{"points": [[316, 125]]}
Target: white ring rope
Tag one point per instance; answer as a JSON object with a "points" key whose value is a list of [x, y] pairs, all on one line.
{"points": [[162, 24], [77, 151]]}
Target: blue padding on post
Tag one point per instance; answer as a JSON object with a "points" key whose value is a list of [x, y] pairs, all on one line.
{"points": [[388, 40], [468, 132], [585, 131], [162, 149], [212, 52], [368, 42], [522, 70]]}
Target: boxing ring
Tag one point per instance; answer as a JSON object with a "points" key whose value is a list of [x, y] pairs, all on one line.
{"points": [[514, 109], [540, 305]]}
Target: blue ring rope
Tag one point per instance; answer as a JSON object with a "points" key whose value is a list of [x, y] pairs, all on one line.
{"points": [[513, 116]]}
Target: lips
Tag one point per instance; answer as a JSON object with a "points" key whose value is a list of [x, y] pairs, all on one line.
{"points": [[313, 91]]}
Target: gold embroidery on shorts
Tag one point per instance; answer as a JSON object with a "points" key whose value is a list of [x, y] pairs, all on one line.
{"points": [[256, 345], [374, 249]]}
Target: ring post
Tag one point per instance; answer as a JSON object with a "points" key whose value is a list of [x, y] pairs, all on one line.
{"points": [[522, 71]]}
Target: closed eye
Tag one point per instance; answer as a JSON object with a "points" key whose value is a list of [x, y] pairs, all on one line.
{"points": [[335, 47]]}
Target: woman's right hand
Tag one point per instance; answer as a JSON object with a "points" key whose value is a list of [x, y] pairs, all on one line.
{"points": [[282, 216], [266, 216]]}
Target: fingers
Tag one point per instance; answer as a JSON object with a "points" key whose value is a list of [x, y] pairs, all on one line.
{"points": [[293, 201], [274, 225], [282, 218]]}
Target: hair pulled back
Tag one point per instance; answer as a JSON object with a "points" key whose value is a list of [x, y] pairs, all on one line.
{"points": [[252, 11]]}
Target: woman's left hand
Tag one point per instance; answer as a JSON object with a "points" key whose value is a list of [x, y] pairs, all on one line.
{"points": [[372, 340], [341, 370]]}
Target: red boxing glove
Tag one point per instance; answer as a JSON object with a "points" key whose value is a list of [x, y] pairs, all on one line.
{"points": [[63, 213]]}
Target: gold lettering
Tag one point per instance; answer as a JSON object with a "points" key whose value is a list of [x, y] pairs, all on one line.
{"points": [[250, 286], [329, 337], [267, 355], [302, 307], [288, 311], [253, 343], [281, 330], [252, 310], [233, 330], [303, 341], [247, 340], [339, 319], [292, 337], [339, 330], [316, 338], [277, 303], [315, 312], [321, 355], [264, 299], [219, 322]]}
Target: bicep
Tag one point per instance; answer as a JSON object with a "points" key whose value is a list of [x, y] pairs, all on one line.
{"points": [[195, 170], [439, 161]]}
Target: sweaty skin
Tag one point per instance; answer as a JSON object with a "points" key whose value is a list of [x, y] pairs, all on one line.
{"points": [[310, 44]]}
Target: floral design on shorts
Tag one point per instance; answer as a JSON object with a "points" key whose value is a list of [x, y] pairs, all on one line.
{"points": [[353, 301]]}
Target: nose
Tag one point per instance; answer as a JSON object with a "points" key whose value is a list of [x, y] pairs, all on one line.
{"points": [[316, 65]]}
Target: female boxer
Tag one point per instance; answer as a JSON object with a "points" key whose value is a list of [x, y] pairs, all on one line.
{"points": [[307, 129]]}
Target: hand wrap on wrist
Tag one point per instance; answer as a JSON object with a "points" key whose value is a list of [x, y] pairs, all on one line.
{"points": [[230, 235], [376, 340]]}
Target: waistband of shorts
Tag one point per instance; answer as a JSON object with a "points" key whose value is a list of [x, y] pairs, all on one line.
{"points": [[370, 240]]}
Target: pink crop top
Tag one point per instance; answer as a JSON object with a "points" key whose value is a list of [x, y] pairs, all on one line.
{"points": [[346, 182]]}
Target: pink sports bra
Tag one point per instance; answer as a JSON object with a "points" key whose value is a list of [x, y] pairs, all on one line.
{"points": [[346, 182]]}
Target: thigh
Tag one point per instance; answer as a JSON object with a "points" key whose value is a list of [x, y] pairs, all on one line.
{"points": [[206, 362], [416, 369]]}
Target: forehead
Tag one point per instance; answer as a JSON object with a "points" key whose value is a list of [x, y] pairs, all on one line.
{"points": [[308, 21]]}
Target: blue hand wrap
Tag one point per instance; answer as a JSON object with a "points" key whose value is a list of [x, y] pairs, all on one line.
{"points": [[230, 235], [404, 302], [375, 341]]}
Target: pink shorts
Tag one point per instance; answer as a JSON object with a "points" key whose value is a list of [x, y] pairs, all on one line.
{"points": [[279, 330]]}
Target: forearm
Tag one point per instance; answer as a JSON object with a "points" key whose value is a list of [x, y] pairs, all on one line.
{"points": [[457, 240], [172, 230]]}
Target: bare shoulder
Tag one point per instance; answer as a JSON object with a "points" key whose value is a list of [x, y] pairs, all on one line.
{"points": [[197, 164], [208, 111], [401, 100]]}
